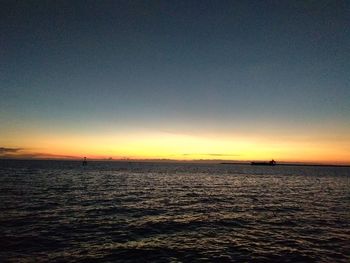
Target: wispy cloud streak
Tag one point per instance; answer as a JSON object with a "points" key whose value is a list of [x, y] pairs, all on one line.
{"points": [[22, 153], [211, 154], [5, 150]]}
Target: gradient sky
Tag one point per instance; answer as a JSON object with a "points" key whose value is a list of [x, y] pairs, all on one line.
{"points": [[238, 80]]}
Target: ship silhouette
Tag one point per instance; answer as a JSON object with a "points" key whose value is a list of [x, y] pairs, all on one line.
{"points": [[270, 163]]}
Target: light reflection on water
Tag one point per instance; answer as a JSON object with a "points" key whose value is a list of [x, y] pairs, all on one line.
{"points": [[109, 211]]}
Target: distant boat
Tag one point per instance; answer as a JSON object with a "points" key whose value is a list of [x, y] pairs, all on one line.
{"points": [[270, 163]]}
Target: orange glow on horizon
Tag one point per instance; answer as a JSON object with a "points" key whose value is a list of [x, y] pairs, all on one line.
{"points": [[162, 145]]}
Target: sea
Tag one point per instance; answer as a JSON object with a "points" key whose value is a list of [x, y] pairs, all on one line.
{"points": [[62, 211]]}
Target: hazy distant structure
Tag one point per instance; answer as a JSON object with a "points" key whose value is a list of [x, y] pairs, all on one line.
{"points": [[84, 161]]}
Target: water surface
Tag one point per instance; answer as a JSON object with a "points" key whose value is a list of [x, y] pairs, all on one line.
{"points": [[55, 211]]}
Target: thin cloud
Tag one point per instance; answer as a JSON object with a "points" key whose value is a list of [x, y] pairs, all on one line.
{"points": [[49, 155], [20, 153], [211, 154], [39, 156], [5, 150]]}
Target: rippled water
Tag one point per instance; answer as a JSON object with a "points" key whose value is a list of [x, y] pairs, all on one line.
{"points": [[109, 211]]}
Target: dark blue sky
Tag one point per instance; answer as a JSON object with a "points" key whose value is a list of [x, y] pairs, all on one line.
{"points": [[177, 65]]}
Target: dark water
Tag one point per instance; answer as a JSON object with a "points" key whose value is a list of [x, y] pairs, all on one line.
{"points": [[60, 211]]}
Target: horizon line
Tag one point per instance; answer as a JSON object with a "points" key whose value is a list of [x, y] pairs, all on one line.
{"points": [[211, 161]]}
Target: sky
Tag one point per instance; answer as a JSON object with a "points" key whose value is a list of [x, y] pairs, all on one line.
{"points": [[229, 80]]}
